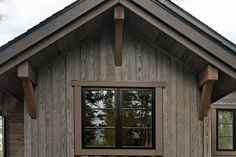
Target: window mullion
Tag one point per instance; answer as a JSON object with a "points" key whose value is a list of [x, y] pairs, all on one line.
{"points": [[118, 118]]}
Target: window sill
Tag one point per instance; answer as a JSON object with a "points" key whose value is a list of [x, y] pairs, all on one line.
{"points": [[142, 152], [224, 153]]}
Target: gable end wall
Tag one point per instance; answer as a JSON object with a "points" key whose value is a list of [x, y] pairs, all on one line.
{"points": [[52, 133]]}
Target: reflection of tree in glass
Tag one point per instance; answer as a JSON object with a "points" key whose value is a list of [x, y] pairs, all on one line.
{"points": [[225, 130], [99, 114], [137, 113], [91, 99], [109, 117]]}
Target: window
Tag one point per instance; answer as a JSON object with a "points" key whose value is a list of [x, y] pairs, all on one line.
{"points": [[118, 118], [224, 130]]}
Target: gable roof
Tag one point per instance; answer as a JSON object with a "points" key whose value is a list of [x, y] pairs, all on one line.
{"points": [[162, 14], [185, 15]]}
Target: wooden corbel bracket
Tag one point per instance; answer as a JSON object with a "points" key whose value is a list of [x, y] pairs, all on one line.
{"points": [[206, 81], [28, 77], [119, 15]]}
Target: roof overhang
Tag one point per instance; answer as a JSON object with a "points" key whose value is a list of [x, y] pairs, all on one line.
{"points": [[202, 42]]}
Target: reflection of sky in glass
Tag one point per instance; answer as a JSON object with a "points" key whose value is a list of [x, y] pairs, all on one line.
{"points": [[100, 103], [99, 98]]}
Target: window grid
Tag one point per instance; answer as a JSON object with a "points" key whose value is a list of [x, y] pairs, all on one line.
{"points": [[118, 118], [233, 136]]}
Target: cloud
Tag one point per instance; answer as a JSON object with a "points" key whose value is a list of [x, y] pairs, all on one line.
{"points": [[1, 16], [20, 15], [16, 16], [217, 14]]}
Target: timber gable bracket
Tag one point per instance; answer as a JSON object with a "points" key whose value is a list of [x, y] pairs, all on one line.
{"points": [[28, 78], [206, 80]]}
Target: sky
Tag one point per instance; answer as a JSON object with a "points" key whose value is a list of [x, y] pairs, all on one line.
{"points": [[220, 15], [17, 16]]}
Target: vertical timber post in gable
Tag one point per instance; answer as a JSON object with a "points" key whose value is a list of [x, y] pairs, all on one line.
{"points": [[28, 77], [119, 15], [206, 80]]}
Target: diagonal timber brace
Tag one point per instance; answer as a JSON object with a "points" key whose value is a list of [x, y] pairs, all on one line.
{"points": [[206, 80], [28, 78]]}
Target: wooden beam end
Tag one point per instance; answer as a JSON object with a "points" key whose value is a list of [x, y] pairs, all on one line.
{"points": [[210, 73], [119, 13], [26, 71]]}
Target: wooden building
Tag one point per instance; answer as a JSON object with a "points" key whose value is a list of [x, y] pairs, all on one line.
{"points": [[118, 77]]}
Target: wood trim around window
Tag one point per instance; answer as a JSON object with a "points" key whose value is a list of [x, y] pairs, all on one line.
{"points": [[216, 152], [77, 89]]}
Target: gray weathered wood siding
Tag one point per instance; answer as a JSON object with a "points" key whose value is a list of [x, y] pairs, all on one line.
{"points": [[13, 112], [52, 133]]}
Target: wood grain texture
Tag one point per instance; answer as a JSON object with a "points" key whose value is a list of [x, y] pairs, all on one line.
{"points": [[48, 111], [27, 133], [26, 71], [56, 125], [94, 60], [28, 78], [209, 73], [30, 97], [180, 118], [205, 100], [119, 15], [69, 105], [187, 112], [13, 112], [41, 101]]}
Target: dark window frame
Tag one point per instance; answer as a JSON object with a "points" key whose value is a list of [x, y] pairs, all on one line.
{"points": [[77, 90], [118, 122], [234, 130], [214, 130]]}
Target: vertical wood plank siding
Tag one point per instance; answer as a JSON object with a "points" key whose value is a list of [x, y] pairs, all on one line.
{"points": [[13, 111], [52, 134]]}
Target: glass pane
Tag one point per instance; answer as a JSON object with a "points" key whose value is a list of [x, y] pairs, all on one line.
{"points": [[100, 118], [225, 129], [137, 137], [99, 137], [225, 117], [99, 99], [137, 98], [225, 143], [137, 118]]}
